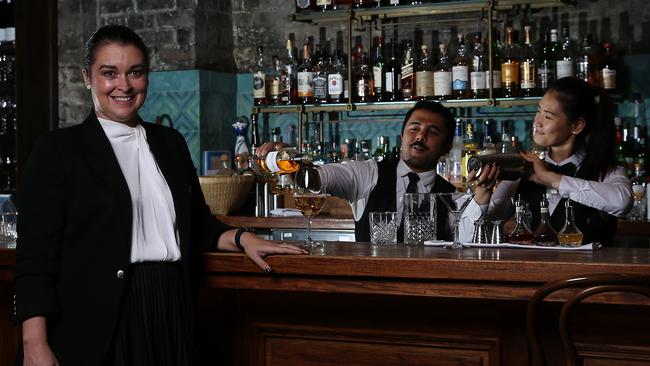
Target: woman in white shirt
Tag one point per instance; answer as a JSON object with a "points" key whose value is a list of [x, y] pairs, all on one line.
{"points": [[575, 122]]}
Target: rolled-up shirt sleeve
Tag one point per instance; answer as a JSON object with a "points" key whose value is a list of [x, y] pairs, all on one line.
{"points": [[613, 195]]}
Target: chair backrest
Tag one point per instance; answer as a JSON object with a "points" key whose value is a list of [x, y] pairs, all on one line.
{"points": [[591, 285]]}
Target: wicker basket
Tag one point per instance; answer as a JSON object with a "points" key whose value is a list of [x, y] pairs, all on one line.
{"points": [[226, 194]]}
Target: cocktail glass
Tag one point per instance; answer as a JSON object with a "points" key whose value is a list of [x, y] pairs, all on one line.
{"points": [[456, 204]]}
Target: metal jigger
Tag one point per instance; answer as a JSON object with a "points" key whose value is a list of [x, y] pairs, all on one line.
{"points": [[480, 232], [498, 236]]}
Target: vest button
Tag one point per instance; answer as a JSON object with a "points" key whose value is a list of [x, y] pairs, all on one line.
{"points": [[120, 274]]}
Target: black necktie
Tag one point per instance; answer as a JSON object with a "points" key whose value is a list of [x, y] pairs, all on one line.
{"points": [[566, 169], [413, 183]]}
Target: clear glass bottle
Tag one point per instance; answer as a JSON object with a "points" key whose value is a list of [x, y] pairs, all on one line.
{"points": [[363, 78], [259, 78], [587, 62], [336, 77], [283, 161], [510, 67], [639, 183], [306, 77], [382, 152], [528, 66], [570, 235], [460, 70], [424, 75], [290, 87], [544, 234], [520, 234], [607, 69], [442, 74], [274, 81], [546, 69]]}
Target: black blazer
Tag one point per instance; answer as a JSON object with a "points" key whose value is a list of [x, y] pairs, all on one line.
{"points": [[74, 246]]}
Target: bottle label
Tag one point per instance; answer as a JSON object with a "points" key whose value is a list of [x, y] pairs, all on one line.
{"points": [[323, 2], [609, 78], [528, 75], [407, 70], [305, 84], [477, 80], [389, 81], [424, 84], [442, 82], [394, 2], [335, 84], [496, 79], [376, 72], [346, 88], [510, 74], [274, 87], [459, 77], [270, 162], [259, 91], [320, 87], [546, 77], [363, 88], [564, 68], [302, 4], [407, 84]]}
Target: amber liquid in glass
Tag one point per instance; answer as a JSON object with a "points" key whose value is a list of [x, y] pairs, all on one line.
{"points": [[570, 240], [287, 166], [309, 205]]}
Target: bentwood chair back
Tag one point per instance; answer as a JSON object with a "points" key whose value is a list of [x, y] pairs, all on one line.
{"points": [[590, 285]]}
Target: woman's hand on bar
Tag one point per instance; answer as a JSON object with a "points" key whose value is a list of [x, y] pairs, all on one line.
{"points": [[257, 248]]}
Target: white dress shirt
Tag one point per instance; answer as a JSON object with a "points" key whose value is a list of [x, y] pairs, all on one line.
{"points": [[154, 235], [354, 180], [612, 195]]}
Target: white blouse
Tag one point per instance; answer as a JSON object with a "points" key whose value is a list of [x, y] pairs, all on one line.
{"points": [[154, 235]]}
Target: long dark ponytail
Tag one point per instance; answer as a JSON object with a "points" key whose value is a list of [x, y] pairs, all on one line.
{"points": [[598, 138]]}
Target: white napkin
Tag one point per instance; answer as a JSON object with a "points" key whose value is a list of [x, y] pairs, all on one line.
{"points": [[440, 243], [286, 212]]}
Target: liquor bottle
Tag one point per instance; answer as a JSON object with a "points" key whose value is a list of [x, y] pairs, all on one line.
{"points": [[290, 94], [546, 70], [565, 60], [396, 154], [424, 75], [274, 80], [306, 78], [555, 44], [335, 77], [382, 152], [544, 234], [520, 233], [394, 2], [442, 74], [497, 59], [510, 67], [469, 147], [607, 69], [479, 70], [259, 78], [528, 67], [408, 76], [639, 183], [506, 140], [320, 77], [283, 161], [363, 78], [570, 235], [378, 70], [487, 146], [586, 63], [324, 5], [304, 5], [456, 154], [460, 70], [393, 77]]}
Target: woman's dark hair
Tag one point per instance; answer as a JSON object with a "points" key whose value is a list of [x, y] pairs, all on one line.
{"points": [[598, 138], [112, 34], [437, 108]]}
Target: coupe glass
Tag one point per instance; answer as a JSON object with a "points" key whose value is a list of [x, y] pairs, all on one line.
{"points": [[309, 202], [456, 204]]}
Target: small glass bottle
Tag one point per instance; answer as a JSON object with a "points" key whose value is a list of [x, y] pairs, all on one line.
{"points": [[259, 79], [283, 161], [520, 234], [544, 234], [570, 235]]}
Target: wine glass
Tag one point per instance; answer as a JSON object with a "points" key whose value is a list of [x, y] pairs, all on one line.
{"points": [[456, 204], [309, 202]]}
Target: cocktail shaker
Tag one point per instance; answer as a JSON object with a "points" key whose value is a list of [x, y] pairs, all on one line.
{"points": [[511, 166]]}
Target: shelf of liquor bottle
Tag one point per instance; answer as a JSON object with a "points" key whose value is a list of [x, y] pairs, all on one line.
{"points": [[436, 8], [383, 106]]}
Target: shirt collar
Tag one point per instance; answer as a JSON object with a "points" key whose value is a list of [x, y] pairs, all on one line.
{"points": [[120, 132], [576, 159], [427, 178]]}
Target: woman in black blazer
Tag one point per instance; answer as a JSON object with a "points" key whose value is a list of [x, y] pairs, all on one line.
{"points": [[112, 224]]}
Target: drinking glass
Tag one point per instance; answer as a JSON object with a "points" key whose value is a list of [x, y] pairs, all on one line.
{"points": [[419, 218], [456, 204], [383, 228], [309, 202]]}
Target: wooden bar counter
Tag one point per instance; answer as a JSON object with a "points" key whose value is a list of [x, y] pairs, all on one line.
{"points": [[357, 304]]}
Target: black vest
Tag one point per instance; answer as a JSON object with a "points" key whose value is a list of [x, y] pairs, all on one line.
{"points": [[382, 198], [596, 225]]}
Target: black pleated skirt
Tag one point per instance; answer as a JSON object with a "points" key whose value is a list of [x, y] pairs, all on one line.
{"points": [[155, 326]]}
